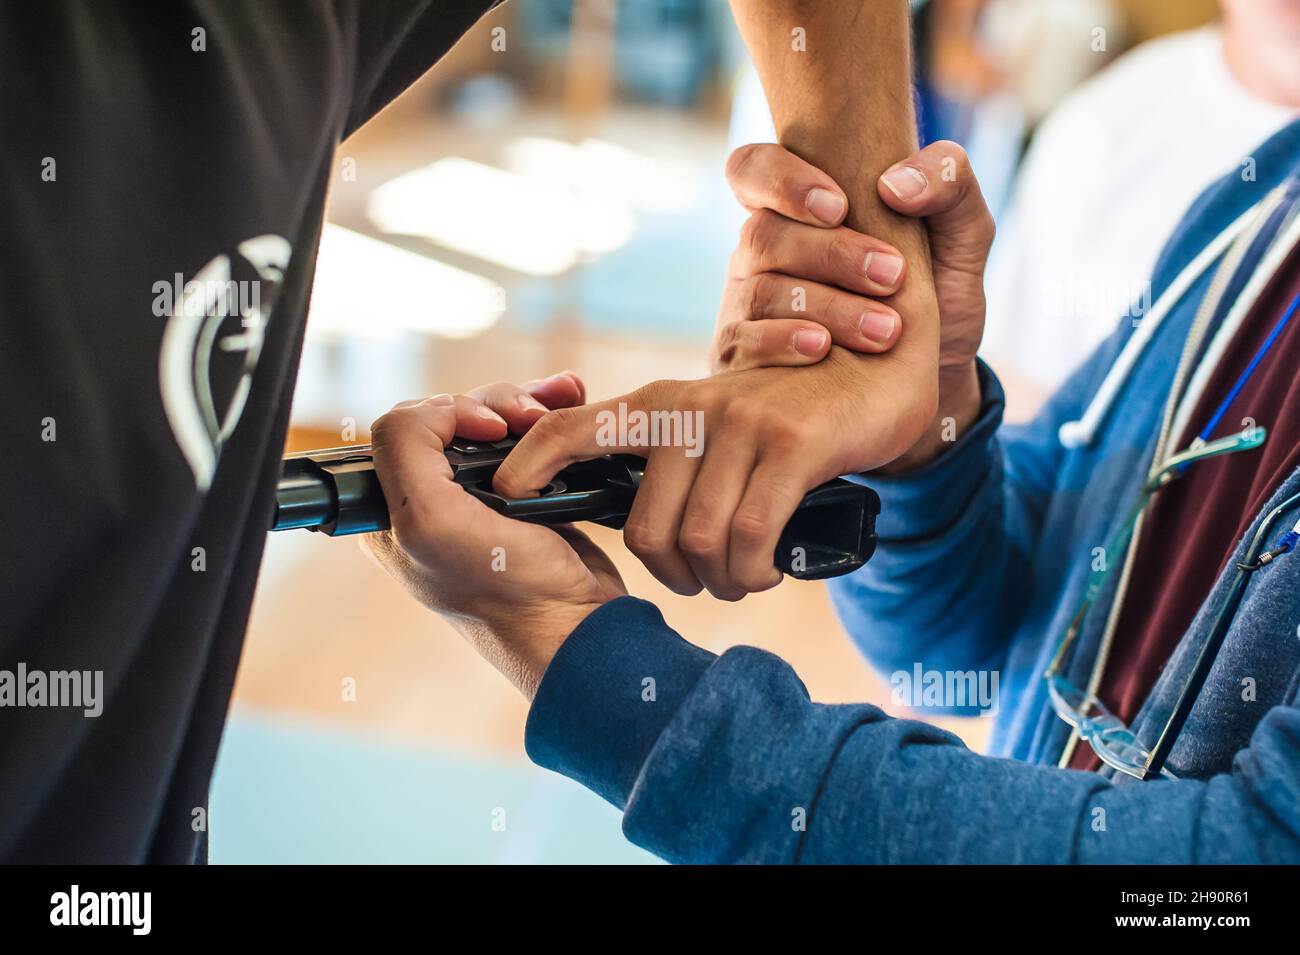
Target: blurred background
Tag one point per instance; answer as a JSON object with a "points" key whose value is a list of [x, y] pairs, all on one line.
{"points": [[551, 197]]}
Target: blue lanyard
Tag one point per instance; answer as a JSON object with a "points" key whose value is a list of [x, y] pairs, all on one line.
{"points": [[1286, 209], [1249, 370]]}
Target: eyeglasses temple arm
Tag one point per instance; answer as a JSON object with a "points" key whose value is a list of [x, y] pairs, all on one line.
{"points": [[1219, 630]]}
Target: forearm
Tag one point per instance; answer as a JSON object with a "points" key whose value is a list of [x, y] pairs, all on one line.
{"points": [[645, 719], [838, 81]]}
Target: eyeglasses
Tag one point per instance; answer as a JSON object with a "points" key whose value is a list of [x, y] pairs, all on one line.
{"points": [[1113, 742]]}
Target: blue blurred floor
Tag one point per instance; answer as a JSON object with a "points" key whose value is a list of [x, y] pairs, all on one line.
{"points": [[289, 791]]}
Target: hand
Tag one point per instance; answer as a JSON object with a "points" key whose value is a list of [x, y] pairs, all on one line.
{"points": [[767, 436], [807, 278], [514, 590], [794, 236]]}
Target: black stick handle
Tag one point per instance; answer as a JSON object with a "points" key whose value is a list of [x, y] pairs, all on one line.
{"points": [[337, 492]]}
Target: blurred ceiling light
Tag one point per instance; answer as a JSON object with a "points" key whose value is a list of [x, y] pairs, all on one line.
{"points": [[512, 220], [609, 172], [366, 288]]}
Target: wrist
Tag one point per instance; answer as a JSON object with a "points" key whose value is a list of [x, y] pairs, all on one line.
{"points": [[899, 398], [522, 642], [958, 408]]}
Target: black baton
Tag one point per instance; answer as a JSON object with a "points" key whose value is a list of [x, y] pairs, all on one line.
{"points": [[336, 492]]}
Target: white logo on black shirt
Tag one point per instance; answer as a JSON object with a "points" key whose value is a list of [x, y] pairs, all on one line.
{"points": [[193, 324]]}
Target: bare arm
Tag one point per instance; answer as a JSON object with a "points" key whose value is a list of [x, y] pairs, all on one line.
{"points": [[714, 519], [838, 79]]}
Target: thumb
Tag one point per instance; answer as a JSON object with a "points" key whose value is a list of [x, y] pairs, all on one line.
{"points": [[938, 184]]}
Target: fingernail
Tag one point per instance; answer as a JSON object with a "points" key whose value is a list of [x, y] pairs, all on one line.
{"points": [[825, 205], [883, 268], [906, 182], [439, 400], [810, 342], [486, 413], [877, 326], [529, 403]]}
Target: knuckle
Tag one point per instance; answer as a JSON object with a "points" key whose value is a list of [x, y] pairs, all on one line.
{"points": [[654, 394], [955, 151], [699, 539], [499, 391], [554, 423], [698, 395], [729, 337], [740, 162], [838, 252], [822, 310], [750, 527], [713, 397], [758, 237], [741, 415], [544, 429], [564, 418], [760, 295], [964, 170], [385, 427], [963, 179], [946, 165], [644, 540], [786, 184], [784, 436]]}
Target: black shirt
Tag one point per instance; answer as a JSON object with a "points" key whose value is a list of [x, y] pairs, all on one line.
{"points": [[145, 146]]}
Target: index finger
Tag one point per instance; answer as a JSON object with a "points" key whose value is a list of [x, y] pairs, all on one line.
{"points": [[768, 176], [567, 435]]}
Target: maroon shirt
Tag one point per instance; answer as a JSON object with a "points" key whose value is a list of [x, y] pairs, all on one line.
{"points": [[1193, 526]]}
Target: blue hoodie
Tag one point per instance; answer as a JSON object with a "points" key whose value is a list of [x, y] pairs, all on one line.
{"points": [[983, 559]]}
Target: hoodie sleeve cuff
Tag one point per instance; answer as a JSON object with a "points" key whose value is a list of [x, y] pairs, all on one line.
{"points": [[608, 694], [925, 502]]}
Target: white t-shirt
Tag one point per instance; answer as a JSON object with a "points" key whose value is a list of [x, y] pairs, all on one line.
{"points": [[1109, 175]]}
